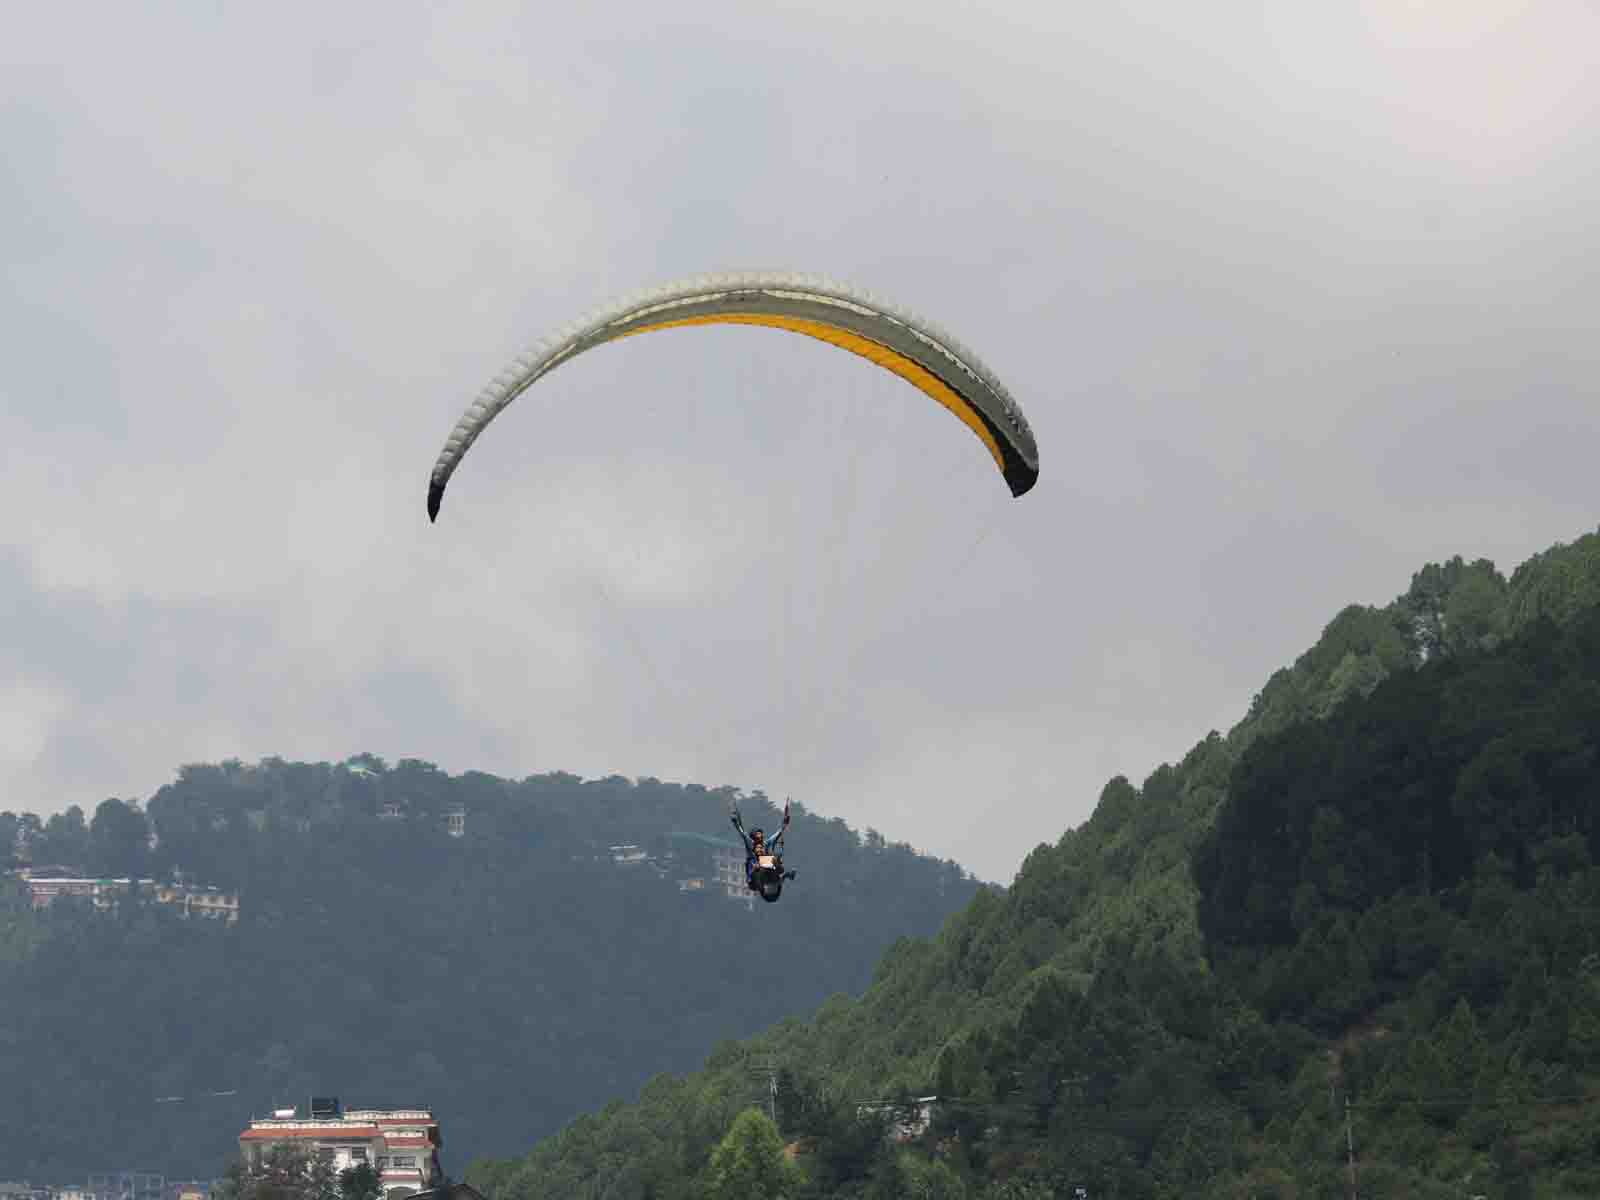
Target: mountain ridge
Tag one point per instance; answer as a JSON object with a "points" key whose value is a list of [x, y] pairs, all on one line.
{"points": [[1099, 935], [512, 976]]}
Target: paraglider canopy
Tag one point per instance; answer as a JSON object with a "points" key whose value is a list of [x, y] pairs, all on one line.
{"points": [[918, 352]]}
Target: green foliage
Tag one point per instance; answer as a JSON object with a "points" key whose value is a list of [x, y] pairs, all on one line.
{"points": [[285, 1172], [360, 1182], [1469, 779], [1414, 875], [918, 1178], [512, 978], [63, 840], [749, 1161], [118, 841], [10, 827], [1377, 890], [1555, 585]]}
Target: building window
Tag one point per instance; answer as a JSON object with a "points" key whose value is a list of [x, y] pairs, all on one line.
{"points": [[402, 1162], [358, 1154]]}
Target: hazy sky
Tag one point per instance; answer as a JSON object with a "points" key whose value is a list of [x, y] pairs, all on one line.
{"points": [[1297, 298]]}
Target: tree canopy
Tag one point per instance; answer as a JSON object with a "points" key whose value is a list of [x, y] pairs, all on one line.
{"points": [[511, 977], [1369, 912]]}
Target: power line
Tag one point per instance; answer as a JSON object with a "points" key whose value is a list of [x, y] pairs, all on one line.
{"points": [[196, 1096]]}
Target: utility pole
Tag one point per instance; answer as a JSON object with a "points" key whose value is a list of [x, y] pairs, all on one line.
{"points": [[1350, 1147], [770, 1070]]}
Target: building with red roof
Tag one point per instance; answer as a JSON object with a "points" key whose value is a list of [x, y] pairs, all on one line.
{"points": [[401, 1144]]}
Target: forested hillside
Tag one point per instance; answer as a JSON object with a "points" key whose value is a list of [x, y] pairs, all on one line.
{"points": [[1368, 918], [511, 977]]}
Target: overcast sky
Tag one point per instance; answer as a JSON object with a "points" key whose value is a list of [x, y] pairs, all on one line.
{"points": [[1297, 298]]}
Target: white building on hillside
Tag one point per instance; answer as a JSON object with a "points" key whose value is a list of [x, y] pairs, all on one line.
{"points": [[107, 894], [401, 1144], [127, 1184], [907, 1121], [730, 876]]}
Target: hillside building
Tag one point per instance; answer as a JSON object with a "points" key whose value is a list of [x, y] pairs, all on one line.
{"points": [[907, 1121], [726, 875], [209, 903], [106, 894], [401, 1144], [127, 1184], [729, 878]]}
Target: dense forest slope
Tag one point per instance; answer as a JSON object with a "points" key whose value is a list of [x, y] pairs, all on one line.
{"points": [[1368, 918], [512, 977]]}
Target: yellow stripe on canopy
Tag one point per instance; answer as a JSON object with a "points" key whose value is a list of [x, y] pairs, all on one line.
{"points": [[914, 373]]}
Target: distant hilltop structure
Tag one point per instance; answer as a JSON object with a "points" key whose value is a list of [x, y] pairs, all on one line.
{"points": [[106, 894], [727, 875], [401, 1144], [455, 816], [126, 1184]]}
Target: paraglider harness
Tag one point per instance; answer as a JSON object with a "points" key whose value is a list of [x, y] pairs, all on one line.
{"points": [[763, 869]]}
